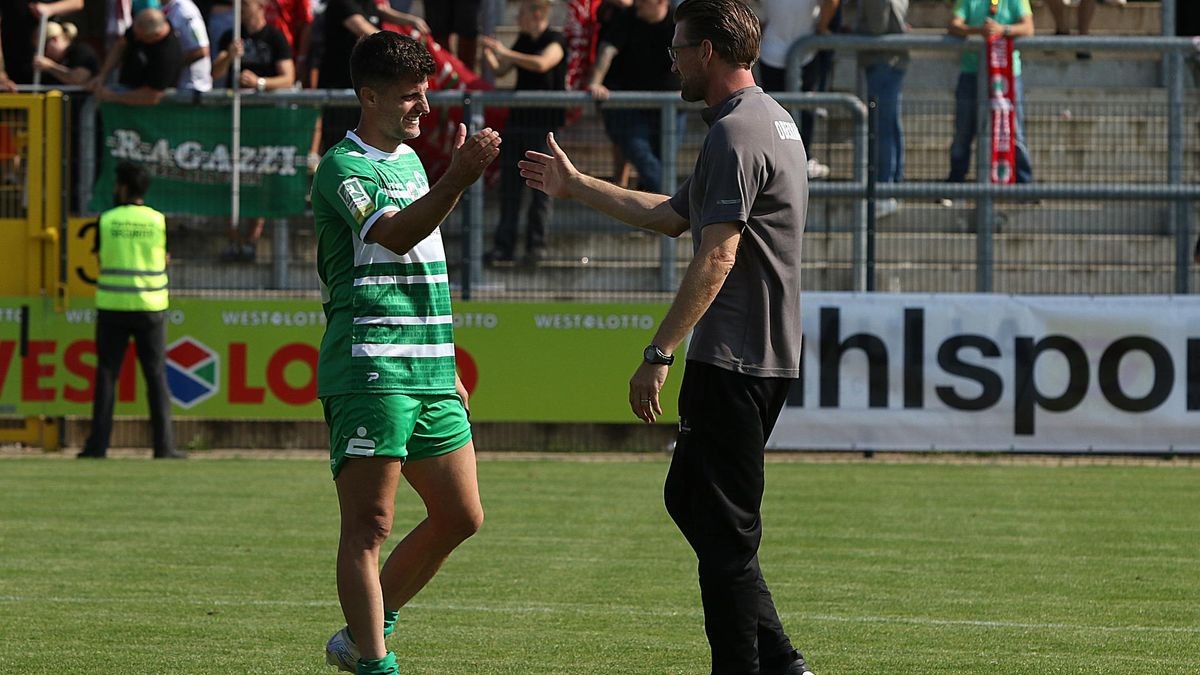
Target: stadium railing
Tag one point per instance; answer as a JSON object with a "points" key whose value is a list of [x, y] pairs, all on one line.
{"points": [[1097, 230], [1172, 52]]}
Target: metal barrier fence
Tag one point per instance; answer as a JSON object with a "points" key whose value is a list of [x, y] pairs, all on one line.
{"points": [[1088, 228], [1151, 189]]}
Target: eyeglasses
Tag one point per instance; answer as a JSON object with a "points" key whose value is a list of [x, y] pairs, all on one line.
{"points": [[673, 50]]}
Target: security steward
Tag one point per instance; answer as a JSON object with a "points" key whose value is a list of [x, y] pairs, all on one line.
{"points": [[131, 300]]}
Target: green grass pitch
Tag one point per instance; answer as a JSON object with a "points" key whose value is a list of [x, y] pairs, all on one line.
{"points": [[226, 566]]}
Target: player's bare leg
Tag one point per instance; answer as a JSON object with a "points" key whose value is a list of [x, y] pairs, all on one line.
{"points": [[448, 486], [366, 489]]}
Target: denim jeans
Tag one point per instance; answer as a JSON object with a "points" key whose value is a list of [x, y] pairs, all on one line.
{"points": [[965, 111], [884, 83], [638, 133]]}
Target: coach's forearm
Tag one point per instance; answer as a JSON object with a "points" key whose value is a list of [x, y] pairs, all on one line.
{"points": [[401, 230], [646, 210], [703, 280]]}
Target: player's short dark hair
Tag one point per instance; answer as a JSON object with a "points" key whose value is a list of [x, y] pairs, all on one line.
{"points": [[385, 58], [729, 25], [135, 178]]}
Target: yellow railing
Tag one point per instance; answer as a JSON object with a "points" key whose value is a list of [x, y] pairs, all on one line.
{"points": [[31, 216]]}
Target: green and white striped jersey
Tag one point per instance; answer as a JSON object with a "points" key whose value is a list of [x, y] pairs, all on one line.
{"points": [[389, 328]]}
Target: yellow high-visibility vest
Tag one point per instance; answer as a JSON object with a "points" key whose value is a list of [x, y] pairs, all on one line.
{"points": [[133, 260]]}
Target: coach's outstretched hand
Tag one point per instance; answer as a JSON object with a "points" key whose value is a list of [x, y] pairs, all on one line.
{"points": [[549, 173], [471, 156]]}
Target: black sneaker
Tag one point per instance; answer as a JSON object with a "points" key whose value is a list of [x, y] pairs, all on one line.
{"points": [[90, 454], [535, 257], [798, 667], [171, 454], [231, 254], [497, 257]]}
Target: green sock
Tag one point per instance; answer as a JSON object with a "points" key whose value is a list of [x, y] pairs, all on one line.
{"points": [[389, 622], [385, 666]]}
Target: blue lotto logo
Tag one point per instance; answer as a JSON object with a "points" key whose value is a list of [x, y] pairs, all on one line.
{"points": [[193, 372]]}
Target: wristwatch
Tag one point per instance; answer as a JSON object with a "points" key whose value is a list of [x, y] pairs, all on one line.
{"points": [[655, 356]]}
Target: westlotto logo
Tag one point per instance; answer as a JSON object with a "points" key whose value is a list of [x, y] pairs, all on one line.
{"points": [[193, 372]]}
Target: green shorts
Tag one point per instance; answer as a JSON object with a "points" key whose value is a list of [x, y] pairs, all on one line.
{"points": [[394, 425]]}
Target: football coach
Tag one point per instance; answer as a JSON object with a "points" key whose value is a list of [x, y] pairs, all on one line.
{"points": [[745, 205]]}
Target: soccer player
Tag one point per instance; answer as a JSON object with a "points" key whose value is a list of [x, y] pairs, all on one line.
{"points": [[745, 204], [386, 374]]}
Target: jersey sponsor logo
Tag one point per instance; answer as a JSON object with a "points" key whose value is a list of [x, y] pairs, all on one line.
{"points": [[787, 130], [193, 371], [356, 199]]}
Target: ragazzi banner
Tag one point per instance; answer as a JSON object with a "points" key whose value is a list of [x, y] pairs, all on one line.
{"points": [[187, 150], [995, 372], [255, 359]]}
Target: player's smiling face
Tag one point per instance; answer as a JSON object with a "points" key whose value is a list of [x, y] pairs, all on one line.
{"points": [[400, 109]]}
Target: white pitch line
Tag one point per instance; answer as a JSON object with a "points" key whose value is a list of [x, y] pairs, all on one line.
{"points": [[614, 610]]}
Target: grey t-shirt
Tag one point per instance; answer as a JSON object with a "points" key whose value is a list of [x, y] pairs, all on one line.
{"points": [[752, 170]]}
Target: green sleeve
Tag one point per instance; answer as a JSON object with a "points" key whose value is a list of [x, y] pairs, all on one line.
{"points": [[353, 191]]}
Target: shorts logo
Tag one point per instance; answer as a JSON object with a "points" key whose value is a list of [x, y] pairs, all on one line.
{"points": [[193, 372], [371, 377], [361, 446], [787, 130], [356, 199]]}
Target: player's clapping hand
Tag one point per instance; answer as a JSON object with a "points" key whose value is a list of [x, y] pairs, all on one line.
{"points": [[551, 173], [472, 156]]}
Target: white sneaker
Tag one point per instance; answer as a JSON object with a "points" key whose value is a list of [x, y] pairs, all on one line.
{"points": [[886, 207], [817, 170], [341, 652]]}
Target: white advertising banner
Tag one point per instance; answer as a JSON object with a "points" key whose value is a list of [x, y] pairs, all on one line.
{"points": [[889, 371]]}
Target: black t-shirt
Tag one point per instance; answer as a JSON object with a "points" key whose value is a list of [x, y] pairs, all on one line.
{"points": [[78, 55], [156, 66], [554, 79], [18, 30], [642, 62], [262, 51], [335, 61]]}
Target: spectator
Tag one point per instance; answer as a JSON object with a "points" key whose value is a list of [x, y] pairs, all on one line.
{"points": [[539, 55], [786, 21], [1010, 18], [293, 18], [1087, 9], [66, 62], [19, 21], [150, 61], [188, 24], [459, 18], [264, 51], [635, 56], [119, 19], [345, 22], [606, 16], [884, 72], [131, 301], [266, 65], [220, 18]]}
